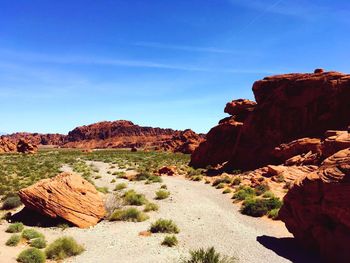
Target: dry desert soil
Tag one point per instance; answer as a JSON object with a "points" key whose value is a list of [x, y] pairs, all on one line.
{"points": [[204, 215]]}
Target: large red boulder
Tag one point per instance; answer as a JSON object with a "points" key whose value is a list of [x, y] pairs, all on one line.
{"points": [[66, 196], [240, 108], [317, 208], [7, 146], [184, 141], [289, 107], [23, 146]]}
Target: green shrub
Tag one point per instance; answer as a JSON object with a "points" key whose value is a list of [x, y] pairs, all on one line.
{"points": [[207, 256], [120, 186], [31, 255], [164, 226], [244, 192], [220, 185], [273, 213], [98, 177], [268, 194], [129, 214], [13, 240], [142, 176], [62, 248], [236, 181], [207, 182], [154, 179], [103, 190], [197, 178], [162, 194], [39, 242], [225, 180], [31, 234], [163, 186], [260, 207], [227, 191], [151, 207], [113, 181], [15, 228], [261, 188], [170, 241], [133, 198], [11, 203]]}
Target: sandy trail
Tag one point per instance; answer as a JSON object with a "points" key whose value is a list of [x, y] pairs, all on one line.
{"points": [[204, 215]]}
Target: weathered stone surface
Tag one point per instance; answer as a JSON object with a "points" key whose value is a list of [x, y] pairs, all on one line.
{"points": [[185, 142], [289, 107], [334, 142], [67, 196], [219, 144], [7, 146], [240, 109], [23, 146], [317, 208]]}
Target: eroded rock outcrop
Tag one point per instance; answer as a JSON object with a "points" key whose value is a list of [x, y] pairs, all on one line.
{"points": [[67, 196], [7, 146], [23, 146], [289, 107], [317, 208], [185, 142]]}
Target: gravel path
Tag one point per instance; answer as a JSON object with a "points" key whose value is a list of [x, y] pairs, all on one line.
{"points": [[203, 214]]}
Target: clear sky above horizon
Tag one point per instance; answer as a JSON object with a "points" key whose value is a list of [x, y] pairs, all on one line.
{"points": [[171, 64]]}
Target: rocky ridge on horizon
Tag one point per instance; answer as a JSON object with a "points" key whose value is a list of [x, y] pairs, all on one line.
{"points": [[115, 134]]}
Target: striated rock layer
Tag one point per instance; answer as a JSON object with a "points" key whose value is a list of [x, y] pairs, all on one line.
{"points": [[317, 208], [288, 107], [67, 196]]}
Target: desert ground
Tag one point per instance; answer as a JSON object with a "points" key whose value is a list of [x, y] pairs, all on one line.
{"points": [[205, 216]]}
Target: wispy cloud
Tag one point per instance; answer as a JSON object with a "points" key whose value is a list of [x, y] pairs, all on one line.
{"points": [[184, 48], [87, 60]]}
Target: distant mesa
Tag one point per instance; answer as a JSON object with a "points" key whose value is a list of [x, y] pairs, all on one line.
{"points": [[115, 134]]}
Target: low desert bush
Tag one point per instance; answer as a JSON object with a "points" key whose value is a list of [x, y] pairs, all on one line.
{"points": [[273, 213], [103, 190], [113, 181], [120, 186], [129, 214], [15, 228], [225, 180], [170, 241], [227, 191], [236, 181], [207, 256], [163, 186], [164, 226], [220, 185], [31, 234], [39, 242], [197, 178], [31, 255], [268, 194], [62, 248], [259, 207], [13, 240], [162, 194], [151, 207], [154, 179], [243, 193], [133, 198], [261, 189], [11, 203]]}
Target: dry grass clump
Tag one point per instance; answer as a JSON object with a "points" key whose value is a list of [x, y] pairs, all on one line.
{"points": [[129, 214], [164, 226], [162, 194], [62, 248], [15, 228], [31, 255], [133, 198], [170, 241], [13, 240]]}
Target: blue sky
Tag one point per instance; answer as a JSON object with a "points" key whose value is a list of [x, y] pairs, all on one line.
{"points": [[155, 62]]}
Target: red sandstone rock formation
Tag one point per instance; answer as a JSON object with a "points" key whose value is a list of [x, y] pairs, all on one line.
{"points": [[185, 142], [117, 134], [289, 107], [317, 208], [37, 138], [7, 146], [23, 146], [67, 196]]}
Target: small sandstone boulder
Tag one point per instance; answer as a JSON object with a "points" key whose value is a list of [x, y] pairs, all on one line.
{"points": [[168, 170], [317, 208], [23, 146], [67, 196]]}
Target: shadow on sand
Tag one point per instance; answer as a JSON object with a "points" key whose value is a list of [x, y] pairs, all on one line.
{"points": [[289, 249], [31, 218]]}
